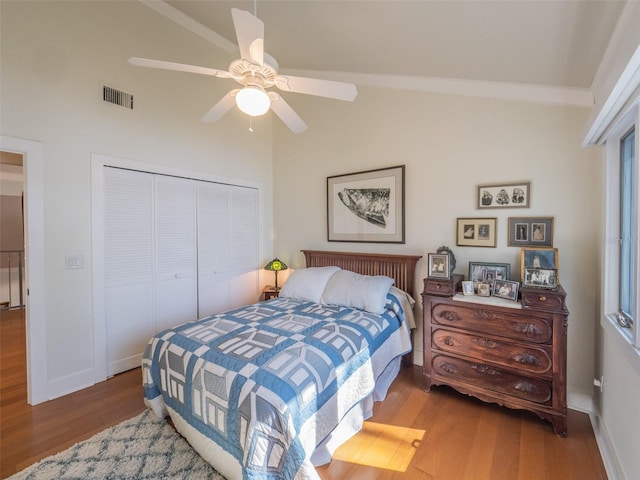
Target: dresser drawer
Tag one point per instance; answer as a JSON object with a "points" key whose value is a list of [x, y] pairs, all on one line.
{"points": [[529, 359], [455, 370], [542, 299], [442, 286], [493, 322]]}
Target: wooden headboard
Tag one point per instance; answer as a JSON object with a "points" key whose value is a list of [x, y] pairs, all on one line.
{"points": [[399, 267]]}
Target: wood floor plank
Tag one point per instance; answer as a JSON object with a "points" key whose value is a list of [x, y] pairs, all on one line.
{"points": [[413, 434]]}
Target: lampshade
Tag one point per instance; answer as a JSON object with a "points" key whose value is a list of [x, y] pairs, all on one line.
{"points": [[276, 265], [253, 101]]}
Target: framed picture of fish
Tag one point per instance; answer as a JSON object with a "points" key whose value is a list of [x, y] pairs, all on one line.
{"points": [[366, 206]]}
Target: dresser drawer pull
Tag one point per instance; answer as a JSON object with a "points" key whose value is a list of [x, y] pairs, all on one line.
{"points": [[485, 370], [526, 359], [528, 328], [449, 316], [526, 387], [447, 367], [542, 299], [485, 342], [438, 286]]}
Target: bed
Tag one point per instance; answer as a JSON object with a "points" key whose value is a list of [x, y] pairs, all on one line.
{"points": [[269, 390]]}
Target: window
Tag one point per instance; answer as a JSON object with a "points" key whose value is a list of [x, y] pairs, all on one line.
{"points": [[627, 228], [622, 252]]}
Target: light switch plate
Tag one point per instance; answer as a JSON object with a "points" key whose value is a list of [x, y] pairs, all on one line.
{"points": [[72, 262]]}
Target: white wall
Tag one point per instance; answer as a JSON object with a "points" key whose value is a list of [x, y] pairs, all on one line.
{"points": [[56, 56], [451, 144]]}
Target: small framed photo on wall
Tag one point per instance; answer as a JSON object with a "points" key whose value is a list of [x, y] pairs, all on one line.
{"points": [[476, 232], [530, 232]]}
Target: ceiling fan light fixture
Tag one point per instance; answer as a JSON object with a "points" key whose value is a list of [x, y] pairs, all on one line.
{"points": [[253, 100]]}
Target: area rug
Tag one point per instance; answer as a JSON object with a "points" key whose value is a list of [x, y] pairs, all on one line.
{"points": [[144, 447]]}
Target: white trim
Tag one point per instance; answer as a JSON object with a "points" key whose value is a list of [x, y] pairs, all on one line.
{"points": [[71, 383], [580, 97], [33, 163], [607, 451], [580, 402], [98, 162], [621, 99]]}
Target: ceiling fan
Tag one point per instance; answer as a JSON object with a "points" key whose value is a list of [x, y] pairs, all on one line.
{"points": [[257, 72]]}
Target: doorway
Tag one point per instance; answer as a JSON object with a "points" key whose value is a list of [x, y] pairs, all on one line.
{"points": [[32, 155]]}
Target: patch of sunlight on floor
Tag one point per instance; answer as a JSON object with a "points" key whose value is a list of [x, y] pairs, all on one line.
{"points": [[381, 446]]}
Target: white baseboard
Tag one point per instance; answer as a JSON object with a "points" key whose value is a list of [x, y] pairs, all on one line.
{"points": [[580, 401], [606, 447], [70, 383]]}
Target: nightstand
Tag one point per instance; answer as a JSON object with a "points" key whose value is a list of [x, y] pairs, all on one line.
{"points": [[270, 292]]}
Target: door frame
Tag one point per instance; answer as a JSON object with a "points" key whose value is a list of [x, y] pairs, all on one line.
{"points": [[36, 329]]}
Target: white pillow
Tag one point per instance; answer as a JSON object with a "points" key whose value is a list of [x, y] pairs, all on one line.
{"points": [[353, 290], [307, 283]]}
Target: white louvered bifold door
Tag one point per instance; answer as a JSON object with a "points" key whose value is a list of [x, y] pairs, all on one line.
{"points": [[176, 275], [214, 249], [128, 263], [243, 285]]}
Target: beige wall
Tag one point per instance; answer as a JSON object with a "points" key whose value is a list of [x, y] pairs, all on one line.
{"points": [[451, 144], [56, 56]]}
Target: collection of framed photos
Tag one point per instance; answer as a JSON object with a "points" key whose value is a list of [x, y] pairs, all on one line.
{"points": [[538, 257], [539, 267]]}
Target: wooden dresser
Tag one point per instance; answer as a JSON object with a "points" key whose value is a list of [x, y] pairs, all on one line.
{"points": [[515, 357]]}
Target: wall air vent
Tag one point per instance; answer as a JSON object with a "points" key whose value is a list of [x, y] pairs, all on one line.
{"points": [[117, 97]]}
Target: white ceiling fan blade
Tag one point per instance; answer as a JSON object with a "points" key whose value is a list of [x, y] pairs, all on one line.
{"points": [[178, 67], [250, 33], [220, 108], [288, 116], [315, 86]]}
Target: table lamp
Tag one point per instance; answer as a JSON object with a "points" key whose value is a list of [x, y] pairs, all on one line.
{"points": [[276, 265]]}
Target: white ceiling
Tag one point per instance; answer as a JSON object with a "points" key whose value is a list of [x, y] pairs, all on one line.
{"points": [[550, 43]]}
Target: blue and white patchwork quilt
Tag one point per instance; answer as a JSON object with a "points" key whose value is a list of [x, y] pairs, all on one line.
{"points": [[255, 390]]}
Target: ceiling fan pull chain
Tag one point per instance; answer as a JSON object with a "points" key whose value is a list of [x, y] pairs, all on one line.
{"points": [[255, 8], [250, 123]]}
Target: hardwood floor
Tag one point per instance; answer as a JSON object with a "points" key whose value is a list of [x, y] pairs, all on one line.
{"points": [[413, 435]]}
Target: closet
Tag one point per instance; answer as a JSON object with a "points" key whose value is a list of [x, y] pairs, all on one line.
{"points": [[176, 249]]}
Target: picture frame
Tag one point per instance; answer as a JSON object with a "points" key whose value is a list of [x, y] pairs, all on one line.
{"points": [[540, 278], [542, 257], [530, 231], [506, 289], [439, 266], [488, 272], [476, 232], [366, 206], [504, 195], [467, 288], [484, 289]]}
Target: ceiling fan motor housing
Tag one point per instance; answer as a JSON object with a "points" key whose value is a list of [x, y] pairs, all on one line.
{"points": [[247, 73]]}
